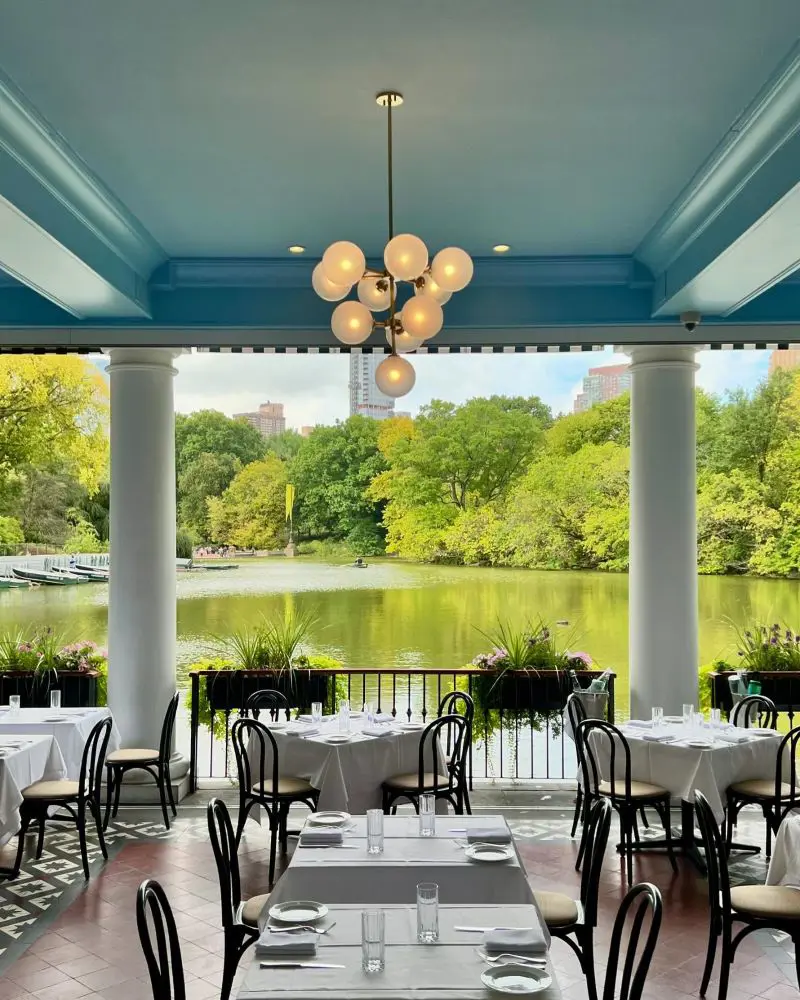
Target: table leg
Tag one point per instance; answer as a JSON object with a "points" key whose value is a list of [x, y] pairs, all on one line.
{"points": [[684, 845]]}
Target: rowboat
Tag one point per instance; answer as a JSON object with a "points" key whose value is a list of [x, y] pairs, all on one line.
{"points": [[41, 576]]}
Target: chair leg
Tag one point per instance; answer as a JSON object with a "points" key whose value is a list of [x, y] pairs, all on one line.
{"points": [[169, 791], [109, 794], [668, 834], [81, 823], [587, 961], [284, 836], [711, 954], [643, 814], [725, 963], [162, 791], [25, 822], [95, 807], [587, 804], [768, 820], [467, 804], [242, 819], [40, 841], [796, 943], [117, 790], [274, 822], [231, 961], [578, 809]]}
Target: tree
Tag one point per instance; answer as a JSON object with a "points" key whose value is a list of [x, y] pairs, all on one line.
{"points": [[733, 520], [285, 445], [206, 476], [54, 415], [331, 473], [208, 431], [610, 421], [251, 512], [44, 502], [11, 532]]}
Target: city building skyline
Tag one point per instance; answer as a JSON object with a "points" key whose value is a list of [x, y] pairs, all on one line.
{"points": [[268, 419], [787, 360], [602, 384], [366, 399]]}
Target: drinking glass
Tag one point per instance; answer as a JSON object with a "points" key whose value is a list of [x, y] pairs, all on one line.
{"points": [[427, 815], [369, 712], [374, 831], [427, 912], [316, 712], [373, 940], [658, 717], [699, 722], [13, 704], [55, 700], [716, 717], [688, 715], [344, 716]]}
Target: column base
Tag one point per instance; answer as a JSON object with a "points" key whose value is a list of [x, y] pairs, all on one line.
{"points": [[139, 789]]}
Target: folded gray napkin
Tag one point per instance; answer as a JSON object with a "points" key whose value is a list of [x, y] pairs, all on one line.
{"points": [[376, 731], [733, 735], [287, 943], [516, 939], [321, 838], [489, 835], [659, 736], [296, 730], [384, 717], [639, 724]]}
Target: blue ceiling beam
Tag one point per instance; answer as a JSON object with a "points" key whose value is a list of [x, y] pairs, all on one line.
{"points": [[62, 232], [732, 232]]}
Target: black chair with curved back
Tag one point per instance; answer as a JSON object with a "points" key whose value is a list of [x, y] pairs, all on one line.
{"points": [[776, 796], [460, 703], [267, 699], [640, 900], [567, 918], [164, 962], [626, 795], [261, 784], [155, 762], [239, 917], [77, 797], [428, 776], [758, 907], [755, 707]]}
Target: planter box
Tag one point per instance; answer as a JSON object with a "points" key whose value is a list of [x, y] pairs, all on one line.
{"points": [[781, 686], [78, 689], [229, 690], [520, 691]]}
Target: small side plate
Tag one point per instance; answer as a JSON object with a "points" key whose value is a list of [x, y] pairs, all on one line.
{"points": [[337, 737], [410, 727], [762, 732], [520, 980], [700, 744], [489, 852], [330, 818], [301, 911]]}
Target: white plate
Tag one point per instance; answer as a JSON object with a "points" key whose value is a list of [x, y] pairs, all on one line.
{"points": [[489, 852], [521, 980], [56, 718], [337, 737], [410, 727], [677, 719], [700, 744], [762, 732], [298, 912], [328, 819], [277, 726]]}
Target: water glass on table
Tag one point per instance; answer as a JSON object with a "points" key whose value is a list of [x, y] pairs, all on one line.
{"points": [[688, 716], [657, 715], [373, 940], [344, 716], [716, 717], [427, 912], [374, 831], [369, 713], [55, 700], [13, 704], [427, 815], [316, 712]]}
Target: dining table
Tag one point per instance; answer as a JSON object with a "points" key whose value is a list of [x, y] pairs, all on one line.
{"points": [[348, 775], [349, 874], [683, 759], [784, 865], [68, 727]]}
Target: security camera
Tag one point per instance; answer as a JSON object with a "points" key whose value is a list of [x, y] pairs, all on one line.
{"points": [[691, 320]]}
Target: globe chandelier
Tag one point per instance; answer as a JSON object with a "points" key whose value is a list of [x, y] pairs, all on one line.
{"points": [[405, 259]]}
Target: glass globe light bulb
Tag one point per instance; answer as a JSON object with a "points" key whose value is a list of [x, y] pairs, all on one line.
{"points": [[372, 297], [452, 269], [422, 316], [351, 322], [395, 376], [343, 263], [431, 288], [403, 341], [405, 256], [326, 288]]}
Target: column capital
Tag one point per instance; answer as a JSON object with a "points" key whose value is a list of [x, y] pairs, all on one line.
{"points": [[142, 359], [662, 356]]}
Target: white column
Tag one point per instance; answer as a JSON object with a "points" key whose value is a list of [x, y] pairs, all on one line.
{"points": [[662, 582], [142, 598]]}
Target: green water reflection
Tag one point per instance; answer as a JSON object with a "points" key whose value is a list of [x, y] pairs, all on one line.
{"points": [[406, 616]]}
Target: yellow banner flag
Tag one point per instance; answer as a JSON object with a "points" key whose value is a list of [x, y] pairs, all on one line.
{"points": [[289, 501]]}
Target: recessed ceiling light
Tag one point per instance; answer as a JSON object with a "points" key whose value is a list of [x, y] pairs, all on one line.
{"points": [[501, 248], [296, 248]]}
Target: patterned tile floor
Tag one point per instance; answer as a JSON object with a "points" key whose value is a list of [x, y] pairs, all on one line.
{"points": [[64, 940]]}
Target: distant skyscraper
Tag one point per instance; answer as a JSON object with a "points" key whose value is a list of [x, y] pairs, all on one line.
{"points": [[268, 419], [602, 384], [366, 398], [784, 359]]}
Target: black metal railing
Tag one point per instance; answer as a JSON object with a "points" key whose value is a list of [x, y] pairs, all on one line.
{"points": [[518, 729], [780, 686]]}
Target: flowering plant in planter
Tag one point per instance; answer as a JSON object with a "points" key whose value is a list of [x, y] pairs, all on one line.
{"points": [[43, 656], [763, 647]]}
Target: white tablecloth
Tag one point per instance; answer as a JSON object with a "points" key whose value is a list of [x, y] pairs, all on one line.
{"points": [[38, 759], [681, 769], [70, 734], [448, 970], [352, 876], [348, 775], [784, 868]]}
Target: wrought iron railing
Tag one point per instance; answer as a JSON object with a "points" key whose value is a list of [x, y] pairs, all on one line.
{"points": [[518, 730]]}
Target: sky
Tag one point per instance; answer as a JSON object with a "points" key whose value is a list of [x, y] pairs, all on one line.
{"points": [[313, 388]]}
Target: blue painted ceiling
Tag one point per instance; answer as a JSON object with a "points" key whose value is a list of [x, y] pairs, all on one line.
{"points": [[562, 127]]}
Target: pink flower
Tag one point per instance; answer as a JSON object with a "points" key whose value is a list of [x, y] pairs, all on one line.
{"points": [[582, 656]]}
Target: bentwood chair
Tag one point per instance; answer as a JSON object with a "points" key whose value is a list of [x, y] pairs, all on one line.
{"points": [[757, 907], [164, 962], [76, 797], [155, 762], [757, 708], [239, 918], [429, 777], [261, 784], [273, 701], [626, 796], [568, 918], [776, 796], [640, 900], [459, 703]]}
